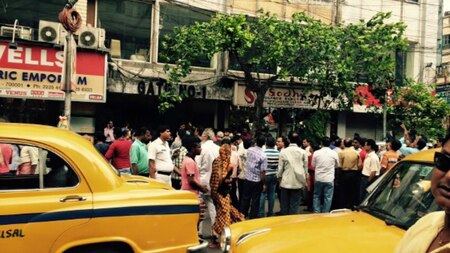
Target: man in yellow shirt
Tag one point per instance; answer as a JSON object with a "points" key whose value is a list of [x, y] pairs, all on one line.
{"points": [[349, 176]]}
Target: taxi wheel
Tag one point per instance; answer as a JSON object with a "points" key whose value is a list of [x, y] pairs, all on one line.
{"points": [[97, 250], [101, 251], [102, 248]]}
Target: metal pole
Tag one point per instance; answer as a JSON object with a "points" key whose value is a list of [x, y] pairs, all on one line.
{"points": [[68, 77]]}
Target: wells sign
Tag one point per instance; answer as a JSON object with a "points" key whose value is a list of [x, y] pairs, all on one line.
{"points": [[35, 72]]}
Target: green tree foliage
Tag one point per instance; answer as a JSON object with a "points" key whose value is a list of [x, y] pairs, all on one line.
{"points": [[316, 126], [367, 52], [305, 52], [418, 108]]}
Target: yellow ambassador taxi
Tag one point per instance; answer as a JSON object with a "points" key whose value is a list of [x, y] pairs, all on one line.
{"points": [[397, 201], [76, 202]]}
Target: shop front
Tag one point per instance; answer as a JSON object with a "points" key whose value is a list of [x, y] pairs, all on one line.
{"points": [[31, 80], [135, 101], [286, 109]]}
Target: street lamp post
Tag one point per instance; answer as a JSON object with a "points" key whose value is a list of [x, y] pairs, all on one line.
{"points": [[68, 58], [71, 21]]}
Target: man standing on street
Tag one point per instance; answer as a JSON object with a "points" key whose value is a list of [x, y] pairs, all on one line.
{"points": [[160, 160], [178, 154], [190, 175], [109, 132], [139, 154], [292, 174], [371, 167], [209, 153], [273, 156], [254, 178], [349, 176], [119, 152], [325, 161]]}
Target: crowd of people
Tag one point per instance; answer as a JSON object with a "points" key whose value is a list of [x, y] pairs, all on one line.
{"points": [[20, 159], [235, 173]]}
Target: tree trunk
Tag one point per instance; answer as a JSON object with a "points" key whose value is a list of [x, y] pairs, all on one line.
{"points": [[258, 121]]}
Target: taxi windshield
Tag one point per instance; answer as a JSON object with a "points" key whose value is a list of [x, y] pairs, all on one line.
{"points": [[404, 196]]}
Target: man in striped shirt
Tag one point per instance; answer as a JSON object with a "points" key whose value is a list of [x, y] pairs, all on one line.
{"points": [[271, 177], [254, 178]]}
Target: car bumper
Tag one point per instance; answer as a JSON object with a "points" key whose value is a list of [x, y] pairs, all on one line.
{"points": [[202, 247]]}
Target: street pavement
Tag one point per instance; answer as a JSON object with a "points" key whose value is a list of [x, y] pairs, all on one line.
{"points": [[276, 210]]}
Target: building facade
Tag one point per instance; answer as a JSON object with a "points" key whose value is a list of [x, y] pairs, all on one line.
{"points": [[132, 31], [443, 71]]}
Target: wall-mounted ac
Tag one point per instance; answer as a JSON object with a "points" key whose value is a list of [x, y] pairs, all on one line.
{"points": [[91, 37], [51, 32], [22, 32]]}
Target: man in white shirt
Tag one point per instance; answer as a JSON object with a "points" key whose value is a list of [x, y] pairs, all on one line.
{"points": [[160, 160], [325, 161], [371, 167], [210, 151], [109, 132], [292, 174]]}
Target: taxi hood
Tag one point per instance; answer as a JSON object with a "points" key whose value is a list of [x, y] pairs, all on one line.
{"points": [[144, 182], [335, 232]]}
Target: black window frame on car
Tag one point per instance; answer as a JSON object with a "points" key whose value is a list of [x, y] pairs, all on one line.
{"points": [[390, 218], [64, 177]]}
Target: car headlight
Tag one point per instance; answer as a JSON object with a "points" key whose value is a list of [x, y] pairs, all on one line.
{"points": [[225, 240]]}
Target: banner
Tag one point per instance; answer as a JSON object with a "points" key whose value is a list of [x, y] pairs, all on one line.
{"points": [[36, 72], [443, 91], [280, 97], [154, 88], [277, 97]]}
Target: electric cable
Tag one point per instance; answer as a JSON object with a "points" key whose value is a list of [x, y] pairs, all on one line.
{"points": [[70, 18]]}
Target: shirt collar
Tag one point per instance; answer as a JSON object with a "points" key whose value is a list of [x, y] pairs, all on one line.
{"points": [[161, 140]]}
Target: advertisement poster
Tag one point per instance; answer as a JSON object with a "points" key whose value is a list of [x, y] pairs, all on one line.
{"points": [[36, 72]]}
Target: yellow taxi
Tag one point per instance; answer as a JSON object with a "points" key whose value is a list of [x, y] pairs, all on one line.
{"points": [[397, 201], [72, 201]]}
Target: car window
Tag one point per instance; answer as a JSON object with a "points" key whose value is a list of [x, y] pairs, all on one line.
{"points": [[405, 195], [28, 167]]}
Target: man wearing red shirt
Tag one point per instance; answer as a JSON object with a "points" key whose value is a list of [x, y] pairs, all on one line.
{"points": [[119, 152], [190, 175], [6, 153]]}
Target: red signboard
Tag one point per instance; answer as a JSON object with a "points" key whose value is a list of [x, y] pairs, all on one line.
{"points": [[36, 72]]}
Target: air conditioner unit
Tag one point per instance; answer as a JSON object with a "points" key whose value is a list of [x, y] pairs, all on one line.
{"points": [[51, 32], [22, 32], [91, 37]]}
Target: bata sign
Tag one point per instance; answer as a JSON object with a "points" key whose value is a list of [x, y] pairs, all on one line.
{"points": [[37, 73]]}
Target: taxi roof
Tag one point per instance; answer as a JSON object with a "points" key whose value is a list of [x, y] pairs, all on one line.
{"points": [[422, 156]]}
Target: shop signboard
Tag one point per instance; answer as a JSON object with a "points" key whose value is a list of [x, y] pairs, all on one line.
{"points": [[443, 91], [284, 97], [156, 87], [36, 72], [280, 97]]}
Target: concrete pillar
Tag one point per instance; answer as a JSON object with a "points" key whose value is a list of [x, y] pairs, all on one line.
{"points": [[155, 32], [342, 127]]}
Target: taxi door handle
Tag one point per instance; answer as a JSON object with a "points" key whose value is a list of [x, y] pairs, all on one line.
{"points": [[72, 198]]}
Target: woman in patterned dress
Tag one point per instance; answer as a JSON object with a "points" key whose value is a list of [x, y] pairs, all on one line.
{"points": [[220, 193]]}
